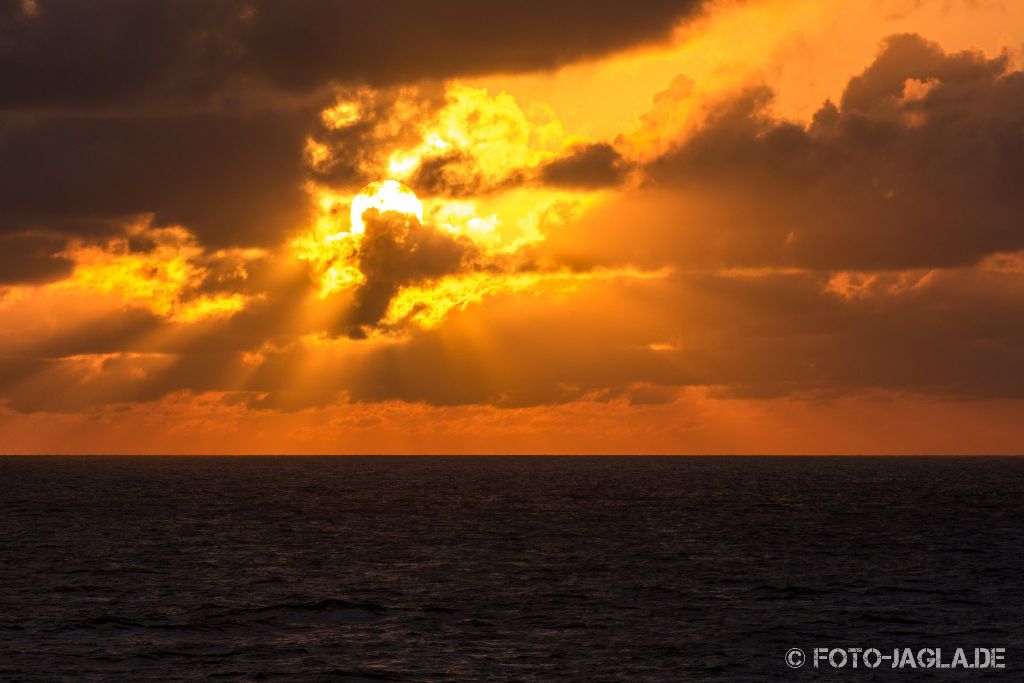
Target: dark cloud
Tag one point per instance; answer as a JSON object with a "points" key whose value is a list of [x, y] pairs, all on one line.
{"points": [[910, 56], [230, 179], [455, 175], [31, 258], [434, 177], [114, 332], [951, 335], [70, 53], [919, 166], [396, 251], [322, 40], [589, 167]]}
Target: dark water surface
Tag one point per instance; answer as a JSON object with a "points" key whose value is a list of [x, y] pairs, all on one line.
{"points": [[472, 569]]}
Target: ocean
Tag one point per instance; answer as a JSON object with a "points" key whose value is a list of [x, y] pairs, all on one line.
{"points": [[504, 568]]}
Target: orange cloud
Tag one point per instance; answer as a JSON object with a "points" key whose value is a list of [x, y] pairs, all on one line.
{"points": [[776, 226], [165, 275]]}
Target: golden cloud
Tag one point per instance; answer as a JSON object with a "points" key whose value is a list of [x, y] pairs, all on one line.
{"points": [[161, 269]]}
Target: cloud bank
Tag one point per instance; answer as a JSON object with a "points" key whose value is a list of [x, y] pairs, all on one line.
{"points": [[176, 222]]}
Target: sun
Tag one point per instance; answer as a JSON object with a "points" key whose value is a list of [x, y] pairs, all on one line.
{"points": [[385, 195]]}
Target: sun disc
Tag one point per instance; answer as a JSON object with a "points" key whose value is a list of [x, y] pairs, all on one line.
{"points": [[386, 195]]}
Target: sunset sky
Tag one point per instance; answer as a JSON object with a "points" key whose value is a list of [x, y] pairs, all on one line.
{"points": [[686, 226]]}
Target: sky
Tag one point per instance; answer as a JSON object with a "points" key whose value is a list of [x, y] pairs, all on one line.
{"points": [[670, 226]]}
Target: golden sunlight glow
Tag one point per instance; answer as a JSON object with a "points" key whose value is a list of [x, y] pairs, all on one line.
{"points": [[484, 139], [500, 226], [387, 195], [343, 114], [164, 278], [489, 136], [317, 153], [474, 152], [429, 305], [329, 246]]}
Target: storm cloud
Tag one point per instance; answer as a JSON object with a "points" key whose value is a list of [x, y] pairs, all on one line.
{"points": [[918, 166], [185, 50]]}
